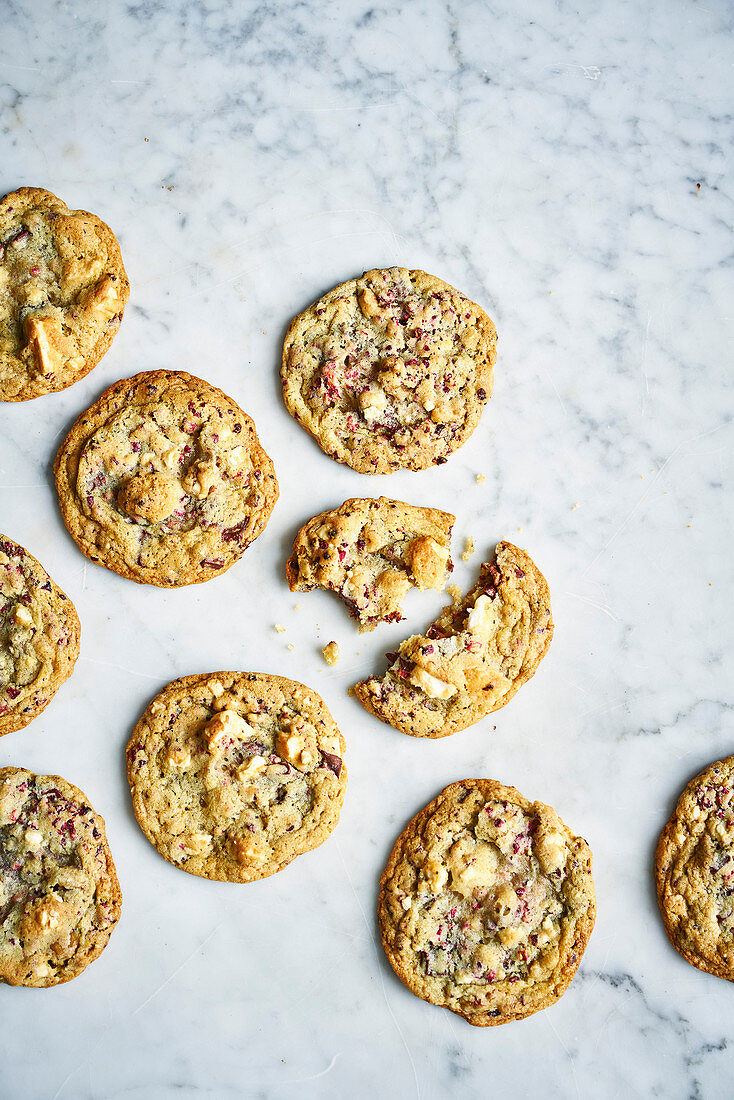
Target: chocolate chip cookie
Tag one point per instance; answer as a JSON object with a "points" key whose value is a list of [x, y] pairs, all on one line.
{"points": [[234, 774], [164, 480], [63, 291], [390, 371], [59, 894], [487, 903], [473, 658], [39, 637], [694, 871], [372, 552]]}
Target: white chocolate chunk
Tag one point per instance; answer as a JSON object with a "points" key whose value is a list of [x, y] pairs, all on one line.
{"points": [[433, 687], [33, 838], [372, 403], [22, 616], [225, 727], [251, 767], [482, 617]]}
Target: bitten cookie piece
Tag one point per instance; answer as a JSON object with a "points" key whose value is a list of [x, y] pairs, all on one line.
{"points": [[39, 637], [59, 894], [164, 480], [487, 903], [234, 774], [63, 291], [473, 658], [371, 552], [390, 371], [694, 871]]}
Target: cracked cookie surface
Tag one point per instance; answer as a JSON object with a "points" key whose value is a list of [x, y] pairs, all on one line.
{"points": [[59, 895], [39, 637], [487, 903], [371, 552], [390, 371], [473, 658], [164, 481], [63, 291], [234, 774], [694, 871]]}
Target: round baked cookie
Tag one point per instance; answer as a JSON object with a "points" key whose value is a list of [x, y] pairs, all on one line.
{"points": [[59, 894], [234, 774], [694, 871], [39, 637], [164, 480], [390, 371], [63, 290], [487, 903]]}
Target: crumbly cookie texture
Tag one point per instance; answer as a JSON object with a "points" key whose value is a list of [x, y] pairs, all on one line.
{"points": [[390, 371], [164, 480], [63, 291], [59, 894], [39, 637], [694, 871], [234, 774], [487, 903], [473, 658], [371, 553]]}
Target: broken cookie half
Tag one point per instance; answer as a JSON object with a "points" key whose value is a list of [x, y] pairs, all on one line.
{"points": [[371, 552], [473, 658]]}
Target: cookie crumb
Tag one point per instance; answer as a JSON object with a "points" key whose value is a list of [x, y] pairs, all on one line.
{"points": [[291, 646], [331, 652], [574, 507], [480, 478], [469, 549], [351, 692], [279, 628], [297, 607]]}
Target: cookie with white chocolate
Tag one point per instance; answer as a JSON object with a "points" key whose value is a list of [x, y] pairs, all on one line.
{"points": [[63, 291], [694, 871], [473, 658], [390, 371], [234, 774], [39, 637], [164, 480], [487, 903], [371, 552], [59, 895]]}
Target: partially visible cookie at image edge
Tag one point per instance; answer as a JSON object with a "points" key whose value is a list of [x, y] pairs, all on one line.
{"points": [[164, 480], [59, 895], [235, 774], [694, 871], [487, 903], [63, 291], [390, 371], [39, 637]]}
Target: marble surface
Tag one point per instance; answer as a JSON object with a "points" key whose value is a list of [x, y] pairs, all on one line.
{"points": [[569, 172]]}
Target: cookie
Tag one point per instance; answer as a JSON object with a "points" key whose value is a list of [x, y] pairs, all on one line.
{"points": [[487, 903], [59, 894], [63, 291], [164, 480], [234, 774], [372, 552], [473, 658], [39, 637], [694, 871], [390, 371]]}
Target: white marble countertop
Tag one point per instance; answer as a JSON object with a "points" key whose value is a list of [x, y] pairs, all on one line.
{"points": [[569, 173]]}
